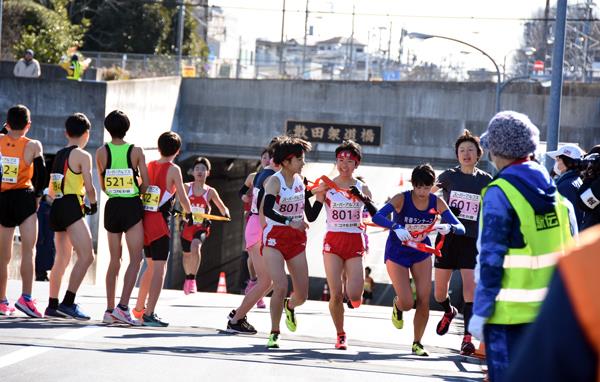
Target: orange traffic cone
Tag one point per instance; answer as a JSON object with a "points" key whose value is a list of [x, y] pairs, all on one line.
{"points": [[222, 287], [325, 295], [480, 352], [401, 183]]}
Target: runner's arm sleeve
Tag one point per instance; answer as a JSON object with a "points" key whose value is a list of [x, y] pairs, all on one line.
{"points": [[371, 209], [381, 217], [457, 227], [243, 190], [40, 177], [312, 212], [271, 213]]}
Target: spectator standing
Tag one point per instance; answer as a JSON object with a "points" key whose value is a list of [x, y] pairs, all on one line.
{"points": [[27, 67]]}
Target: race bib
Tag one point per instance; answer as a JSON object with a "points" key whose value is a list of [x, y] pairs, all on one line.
{"points": [[10, 169], [197, 213], [55, 189], [151, 198], [119, 181], [292, 210], [345, 215], [416, 228], [467, 203]]}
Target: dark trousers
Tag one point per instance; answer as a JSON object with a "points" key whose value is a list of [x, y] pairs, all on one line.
{"points": [[501, 344], [44, 248]]}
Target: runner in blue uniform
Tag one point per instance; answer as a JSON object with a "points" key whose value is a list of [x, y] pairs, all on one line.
{"points": [[414, 211]]}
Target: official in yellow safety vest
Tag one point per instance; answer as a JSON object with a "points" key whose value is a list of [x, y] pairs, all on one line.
{"points": [[564, 342], [525, 227]]}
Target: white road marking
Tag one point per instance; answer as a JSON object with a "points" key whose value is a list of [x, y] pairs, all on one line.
{"points": [[33, 351]]}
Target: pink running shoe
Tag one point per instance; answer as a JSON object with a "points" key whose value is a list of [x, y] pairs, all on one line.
{"points": [[193, 286], [187, 287], [6, 310], [28, 307], [261, 304], [251, 283]]}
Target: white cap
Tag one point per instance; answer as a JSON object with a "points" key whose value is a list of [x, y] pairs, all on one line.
{"points": [[570, 151]]}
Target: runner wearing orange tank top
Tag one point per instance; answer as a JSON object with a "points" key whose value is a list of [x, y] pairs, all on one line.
{"points": [[165, 182], [194, 234], [20, 192]]}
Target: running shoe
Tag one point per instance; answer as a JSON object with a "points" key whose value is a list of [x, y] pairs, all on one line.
{"points": [[193, 286], [467, 347], [397, 315], [73, 311], [418, 349], [123, 316], [6, 310], [273, 341], [341, 342], [241, 327], [260, 304], [138, 313], [186, 287], [54, 313], [251, 284], [444, 324], [28, 307], [108, 318], [290, 316], [154, 321]]}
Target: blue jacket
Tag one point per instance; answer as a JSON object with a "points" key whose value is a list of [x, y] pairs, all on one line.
{"points": [[568, 185], [500, 227]]}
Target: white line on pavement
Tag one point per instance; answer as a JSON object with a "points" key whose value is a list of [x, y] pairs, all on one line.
{"points": [[33, 351]]}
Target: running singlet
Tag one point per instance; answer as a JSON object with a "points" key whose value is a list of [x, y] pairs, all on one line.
{"points": [[120, 178], [413, 220], [157, 202], [290, 201], [199, 204], [257, 185], [343, 214], [15, 173], [463, 193], [63, 181]]}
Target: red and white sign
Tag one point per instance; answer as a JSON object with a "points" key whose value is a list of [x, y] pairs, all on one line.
{"points": [[538, 66]]}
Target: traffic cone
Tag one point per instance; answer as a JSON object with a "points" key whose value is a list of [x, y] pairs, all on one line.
{"points": [[480, 352], [325, 295], [222, 287], [401, 183]]}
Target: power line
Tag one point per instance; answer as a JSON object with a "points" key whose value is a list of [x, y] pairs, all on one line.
{"points": [[369, 14]]}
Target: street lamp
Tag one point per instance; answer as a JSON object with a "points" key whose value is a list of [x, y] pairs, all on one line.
{"points": [[423, 36]]}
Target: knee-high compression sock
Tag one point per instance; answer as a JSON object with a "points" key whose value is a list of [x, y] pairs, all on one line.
{"points": [[467, 313]]}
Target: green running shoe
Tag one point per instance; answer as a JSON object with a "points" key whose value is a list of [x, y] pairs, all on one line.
{"points": [[272, 343], [418, 349], [397, 316], [290, 317]]}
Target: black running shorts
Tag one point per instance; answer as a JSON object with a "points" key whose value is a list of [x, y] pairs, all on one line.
{"points": [[65, 211], [458, 252], [16, 206], [120, 214], [186, 245], [158, 250]]}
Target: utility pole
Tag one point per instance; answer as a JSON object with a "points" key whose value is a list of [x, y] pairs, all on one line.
{"points": [[351, 57], [238, 66], [281, 68], [557, 79], [305, 33], [387, 64], [180, 16], [586, 41], [1, 6]]}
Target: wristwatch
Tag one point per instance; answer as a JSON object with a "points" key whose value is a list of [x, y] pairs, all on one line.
{"points": [[288, 221]]}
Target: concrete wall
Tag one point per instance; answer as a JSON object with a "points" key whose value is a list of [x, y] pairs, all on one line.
{"points": [[420, 119]]}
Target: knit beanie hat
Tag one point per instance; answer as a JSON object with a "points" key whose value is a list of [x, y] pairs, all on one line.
{"points": [[511, 135]]}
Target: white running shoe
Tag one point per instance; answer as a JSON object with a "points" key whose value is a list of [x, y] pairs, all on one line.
{"points": [[123, 316], [108, 318]]}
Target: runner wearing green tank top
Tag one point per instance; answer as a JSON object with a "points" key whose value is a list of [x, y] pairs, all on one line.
{"points": [[123, 176]]}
